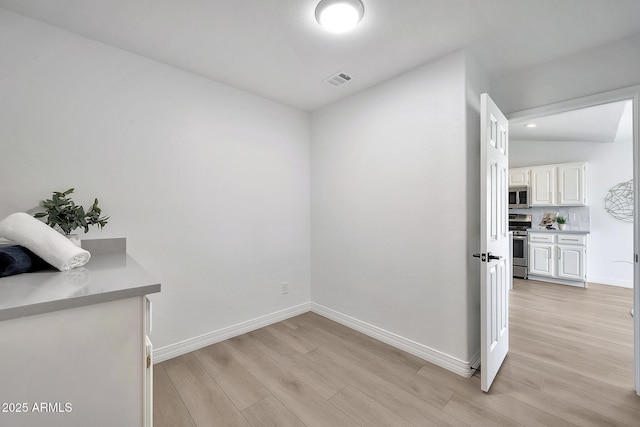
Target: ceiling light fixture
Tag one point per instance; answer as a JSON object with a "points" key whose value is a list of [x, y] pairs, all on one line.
{"points": [[339, 16], [531, 125]]}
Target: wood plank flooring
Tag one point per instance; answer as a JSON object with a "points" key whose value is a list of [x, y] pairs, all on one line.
{"points": [[570, 364]]}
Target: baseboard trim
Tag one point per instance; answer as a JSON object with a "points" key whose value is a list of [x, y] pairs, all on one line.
{"points": [[174, 350], [453, 364], [475, 361], [557, 281], [611, 282]]}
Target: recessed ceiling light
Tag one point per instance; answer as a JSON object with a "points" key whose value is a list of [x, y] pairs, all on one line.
{"points": [[339, 16], [530, 125]]}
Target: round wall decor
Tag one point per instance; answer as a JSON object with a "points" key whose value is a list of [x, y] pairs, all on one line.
{"points": [[619, 201]]}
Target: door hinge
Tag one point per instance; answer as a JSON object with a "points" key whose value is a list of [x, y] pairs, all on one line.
{"points": [[148, 362]]}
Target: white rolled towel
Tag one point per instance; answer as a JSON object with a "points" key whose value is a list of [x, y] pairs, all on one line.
{"points": [[43, 241]]}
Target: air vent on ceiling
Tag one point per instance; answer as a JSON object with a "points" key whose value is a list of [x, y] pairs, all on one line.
{"points": [[338, 79]]}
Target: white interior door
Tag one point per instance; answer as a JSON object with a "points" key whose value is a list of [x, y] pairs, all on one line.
{"points": [[495, 276]]}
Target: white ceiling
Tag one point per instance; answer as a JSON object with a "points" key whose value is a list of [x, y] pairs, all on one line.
{"points": [[274, 48], [600, 123]]}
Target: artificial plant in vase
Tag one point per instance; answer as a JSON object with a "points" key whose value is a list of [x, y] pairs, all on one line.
{"points": [[63, 213], [562, 221]]}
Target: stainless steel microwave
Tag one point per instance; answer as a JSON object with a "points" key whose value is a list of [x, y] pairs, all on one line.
{"points": [[519, 197]]}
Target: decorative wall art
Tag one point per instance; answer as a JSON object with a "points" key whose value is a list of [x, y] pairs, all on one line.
{"points": [[619, 201]]}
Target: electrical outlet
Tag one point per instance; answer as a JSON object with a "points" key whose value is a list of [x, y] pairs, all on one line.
{"points": [[285, 288]]}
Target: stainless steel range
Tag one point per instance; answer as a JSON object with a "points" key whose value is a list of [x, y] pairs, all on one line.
{"points": [[519, 224]]}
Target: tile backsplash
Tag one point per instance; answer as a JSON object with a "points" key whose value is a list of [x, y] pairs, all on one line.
{"points": [[578, 217]]}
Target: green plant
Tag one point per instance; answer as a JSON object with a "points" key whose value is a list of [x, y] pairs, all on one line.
{"points": [[561, 219], [61, 211]]}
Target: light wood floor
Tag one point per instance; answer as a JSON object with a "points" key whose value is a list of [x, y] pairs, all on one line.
{"points": [[570, 363]]}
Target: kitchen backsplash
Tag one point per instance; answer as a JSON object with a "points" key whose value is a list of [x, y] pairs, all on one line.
{"points": [[578, 217]]}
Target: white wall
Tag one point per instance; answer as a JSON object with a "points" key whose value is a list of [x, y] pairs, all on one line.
{"points": [[610, 244], [477, 83], [390, 222], [611, 66], [608, 67], [209, 184]]}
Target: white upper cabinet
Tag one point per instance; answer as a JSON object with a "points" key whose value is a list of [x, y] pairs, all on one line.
{"points": [[543, 185], [559, 185], [519, 177], [571, 184]]}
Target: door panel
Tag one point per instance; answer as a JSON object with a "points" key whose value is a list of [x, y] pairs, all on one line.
{"points": [[541, 259], [518, 177], [543, 185], [495, 273], [570, 262], [571, 184]]}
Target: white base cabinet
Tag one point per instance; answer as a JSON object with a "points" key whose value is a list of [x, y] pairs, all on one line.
{"points": [[571, 261], [541, 259], [558, 258], [84, 366]]}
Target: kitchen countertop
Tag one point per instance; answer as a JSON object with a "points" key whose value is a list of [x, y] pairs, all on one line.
{"points": [[106, 277], [565, 231]]}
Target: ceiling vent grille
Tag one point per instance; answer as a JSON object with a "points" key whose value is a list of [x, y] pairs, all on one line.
{"points": [[338, 79]]}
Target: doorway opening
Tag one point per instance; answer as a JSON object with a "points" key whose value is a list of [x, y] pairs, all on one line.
{"points": [[625, 100]]}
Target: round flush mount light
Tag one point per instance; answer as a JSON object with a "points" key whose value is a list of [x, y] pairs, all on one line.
{"points": [[339, 16], [531, 125]]}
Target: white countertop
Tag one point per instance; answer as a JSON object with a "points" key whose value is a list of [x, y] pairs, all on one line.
{"points": [[106, 277], [565, 231]]}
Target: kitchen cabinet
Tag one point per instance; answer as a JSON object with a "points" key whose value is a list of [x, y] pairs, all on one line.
{"points": [[571, 184], [571, 262], [543, 185], [76, 343], [541, 259], [519, 177], [559, 185], [558, 257]]}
